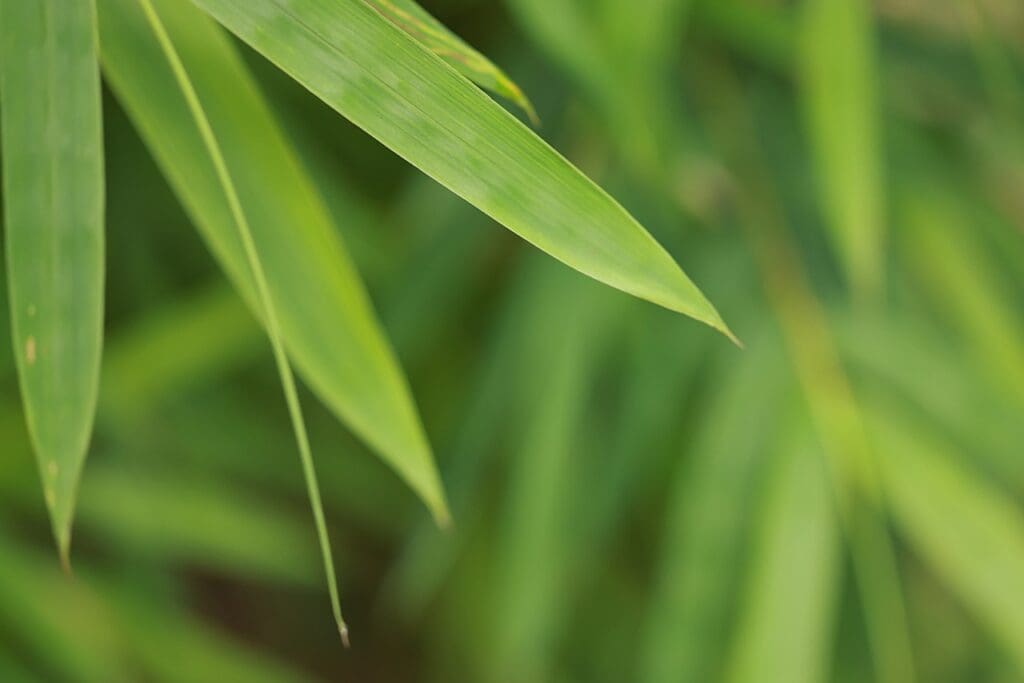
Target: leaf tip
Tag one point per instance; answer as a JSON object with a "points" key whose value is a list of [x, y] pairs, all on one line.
{"points": [[442, 516], [64, 550], [343, 632], [724, 329]]}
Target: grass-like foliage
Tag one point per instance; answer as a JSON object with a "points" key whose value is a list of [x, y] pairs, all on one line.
{"points": [[527, 459]]}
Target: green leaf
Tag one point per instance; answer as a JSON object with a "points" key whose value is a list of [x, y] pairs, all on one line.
{"points": [[388, 84], [327, 322], [838, 86], [268, 308], [970, 533], [785, 633], [54, 203], [435, 36]]}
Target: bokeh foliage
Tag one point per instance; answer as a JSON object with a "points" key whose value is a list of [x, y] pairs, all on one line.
{"points": [[633, 497]]}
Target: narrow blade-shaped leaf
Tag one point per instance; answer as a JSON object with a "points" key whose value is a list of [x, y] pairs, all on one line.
{"points": [[327, 322], [268, 308], [385, 82], [435, 36], [54, 199], [838, 79]]}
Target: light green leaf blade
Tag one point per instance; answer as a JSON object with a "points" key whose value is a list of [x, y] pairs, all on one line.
{"points": [[385, 82], [54, 204], [268, 308], [327, 322], [969, 532], [436, 37], [838, 86], [785, 631]]}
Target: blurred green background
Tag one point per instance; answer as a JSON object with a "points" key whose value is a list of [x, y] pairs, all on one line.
{"points": [[634, 498]]}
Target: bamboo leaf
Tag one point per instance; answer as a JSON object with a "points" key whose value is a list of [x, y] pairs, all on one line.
{"points": [[54, 203], [435, 36], [838, 80], [327, 322], [268, 307], [386, 83]]}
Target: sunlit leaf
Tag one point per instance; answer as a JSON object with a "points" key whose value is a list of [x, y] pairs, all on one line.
{"points": [[386, 83], [53, 199]]}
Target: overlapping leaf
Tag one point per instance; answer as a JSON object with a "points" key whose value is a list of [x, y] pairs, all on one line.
{"points": [[435, 36], [384, 81], [327, 322]]}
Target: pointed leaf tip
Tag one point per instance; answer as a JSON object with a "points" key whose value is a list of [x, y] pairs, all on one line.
{"points": [[484, 154], [343, 632], [53, 218]]}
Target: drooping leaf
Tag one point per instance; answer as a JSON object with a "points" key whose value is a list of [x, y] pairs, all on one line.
{"points": [[838, 86], [267, 306], [54, 199], [436, 37], [327, 322], [385, 82]]}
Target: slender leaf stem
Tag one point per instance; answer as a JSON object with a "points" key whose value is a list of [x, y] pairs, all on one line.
{"points": [[263, 290]]}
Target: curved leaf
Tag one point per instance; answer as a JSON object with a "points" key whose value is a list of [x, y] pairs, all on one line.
{"points": [[385, 82], [327, 322]]}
